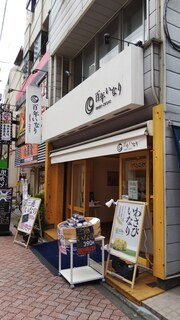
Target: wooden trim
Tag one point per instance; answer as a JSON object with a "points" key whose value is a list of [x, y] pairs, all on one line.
{"points": [[73, 207], [146, 155], [129, 155], [158, 183], [47, 185]]}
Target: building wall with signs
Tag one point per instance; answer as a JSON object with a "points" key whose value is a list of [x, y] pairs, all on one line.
{"points": [[103, 89], [86, 117]]}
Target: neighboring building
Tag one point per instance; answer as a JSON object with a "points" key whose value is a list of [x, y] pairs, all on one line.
{"points": [[113, 97], [30, 157], [15, 80]]}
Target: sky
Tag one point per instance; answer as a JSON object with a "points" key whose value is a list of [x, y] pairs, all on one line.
{"points": [[12, 27]]}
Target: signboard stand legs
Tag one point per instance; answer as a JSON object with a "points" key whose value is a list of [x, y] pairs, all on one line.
{"points": [[121, 277], [27, 221], [126, 236]]}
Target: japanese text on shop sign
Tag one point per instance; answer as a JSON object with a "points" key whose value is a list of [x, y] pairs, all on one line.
{"points": [[85, 240], [6, 126], [33, 115], [101, 96], [132, 222], [127, 229]]}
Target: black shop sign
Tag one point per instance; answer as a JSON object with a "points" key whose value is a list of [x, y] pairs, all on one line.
{"points": [[85, 240], [5, 210]]}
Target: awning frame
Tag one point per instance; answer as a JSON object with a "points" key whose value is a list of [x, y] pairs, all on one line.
{"points": [[115, 143]]}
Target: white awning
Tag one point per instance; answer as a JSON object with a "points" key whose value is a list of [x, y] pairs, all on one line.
{"points": [[126, 142]]}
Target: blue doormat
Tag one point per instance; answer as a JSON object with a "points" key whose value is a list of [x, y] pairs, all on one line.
{"points": [[48, 254]]}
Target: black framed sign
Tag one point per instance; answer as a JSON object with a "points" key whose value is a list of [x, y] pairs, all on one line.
{"points": [[3, 178], [5, 210], [85, 240]]}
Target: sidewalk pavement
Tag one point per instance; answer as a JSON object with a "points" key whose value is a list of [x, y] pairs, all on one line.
{"points": [[29, 291], [166, 305]]}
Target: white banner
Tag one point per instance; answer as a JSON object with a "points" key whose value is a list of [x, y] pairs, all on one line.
{"points": [[33, 115]]}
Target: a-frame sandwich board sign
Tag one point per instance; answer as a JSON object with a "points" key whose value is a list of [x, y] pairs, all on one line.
{"points": [[126, 235], [27, 221]]}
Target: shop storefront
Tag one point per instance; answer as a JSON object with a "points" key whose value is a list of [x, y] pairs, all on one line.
{"points": [[84, 169]]}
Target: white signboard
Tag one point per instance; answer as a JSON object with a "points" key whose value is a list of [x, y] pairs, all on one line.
{"points": [[127, 229], [33, 115], [6, 126], [106, 93], [133, 189], [29, 215]]}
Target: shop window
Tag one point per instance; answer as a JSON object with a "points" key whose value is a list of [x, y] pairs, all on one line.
{"points": [[78, 185], [40, 45], [65, 86], [28, 59], [133, 15], [129, 25], [30, 5], [134, 178], [88, 61], [108, 51], [78, 70], [41, 180]]}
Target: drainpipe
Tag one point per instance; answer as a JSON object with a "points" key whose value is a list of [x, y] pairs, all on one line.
{"points": [[152, 74]]}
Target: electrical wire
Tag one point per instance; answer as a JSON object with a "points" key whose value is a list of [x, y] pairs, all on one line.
{"points": [[174, 44], [145, 246], [4, 14]]}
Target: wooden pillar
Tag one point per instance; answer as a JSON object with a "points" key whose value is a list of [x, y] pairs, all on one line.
{"points": [[47, 186], [54, 190], [158, 192]]}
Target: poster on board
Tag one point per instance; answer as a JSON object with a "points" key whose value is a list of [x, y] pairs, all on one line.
{"points": [[29, 215], [127, 230]]}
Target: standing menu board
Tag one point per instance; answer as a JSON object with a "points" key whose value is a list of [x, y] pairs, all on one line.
{"points": [[28, 218], [5, 210], [127, 229], [126, 234], [29, 214]]}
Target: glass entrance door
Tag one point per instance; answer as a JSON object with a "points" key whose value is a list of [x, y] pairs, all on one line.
{"points": [[77, 188], [136, 171]]}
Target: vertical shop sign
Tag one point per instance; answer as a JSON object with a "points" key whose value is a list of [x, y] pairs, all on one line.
{"points": [[3, 178], [6, 126], [5, 210], [33, 115]]}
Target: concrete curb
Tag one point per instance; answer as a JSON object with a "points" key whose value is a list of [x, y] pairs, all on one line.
{"points": [[132, 310]]}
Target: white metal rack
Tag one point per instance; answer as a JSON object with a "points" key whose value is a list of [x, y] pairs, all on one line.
{"points": [[92, 271]]}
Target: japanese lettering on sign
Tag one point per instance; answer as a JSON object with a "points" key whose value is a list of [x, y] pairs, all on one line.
{"points": [[3, 178], [29, 215], [127, 229], [33, 115], [85, 240], [102, 98], [6, 126]]}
